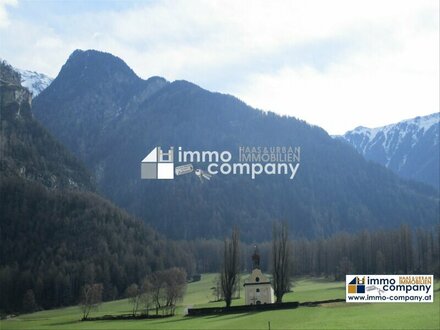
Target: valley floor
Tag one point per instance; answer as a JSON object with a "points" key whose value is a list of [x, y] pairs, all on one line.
{"points": [[330, 316]]}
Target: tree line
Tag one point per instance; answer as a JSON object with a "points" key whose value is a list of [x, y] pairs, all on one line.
{"points": [[383, 251], [49, 252], [398, 251]]}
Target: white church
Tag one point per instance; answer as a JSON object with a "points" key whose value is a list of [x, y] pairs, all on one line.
{"points": [[257, 287]]}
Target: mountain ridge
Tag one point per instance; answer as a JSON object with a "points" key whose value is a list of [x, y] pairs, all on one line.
{"points": [[410, 147], [335, 188], [56, 233], [27, 149]]}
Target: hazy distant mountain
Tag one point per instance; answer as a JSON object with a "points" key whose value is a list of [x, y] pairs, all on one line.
{"points": [[110, 118], [35, 82], [410, 148]]}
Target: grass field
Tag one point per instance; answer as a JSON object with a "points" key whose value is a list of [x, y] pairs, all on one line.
{"points": [[331, 316]]}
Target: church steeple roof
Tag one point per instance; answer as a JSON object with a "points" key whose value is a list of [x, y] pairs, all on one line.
{"points": [[256, 259]]}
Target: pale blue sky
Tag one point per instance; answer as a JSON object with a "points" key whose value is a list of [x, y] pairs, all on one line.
{"points": [[337, 64]]}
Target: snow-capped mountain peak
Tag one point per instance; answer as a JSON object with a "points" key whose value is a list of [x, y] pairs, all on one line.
{"points": [[35, 82], [410, 147], [420, 122]]}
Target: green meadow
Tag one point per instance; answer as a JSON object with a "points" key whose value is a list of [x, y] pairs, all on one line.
{"points": [[329, 316]]}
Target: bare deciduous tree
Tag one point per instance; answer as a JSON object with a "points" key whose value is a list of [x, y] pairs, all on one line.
{"points": [[280, 260], [133, 293], [157, 290], [230, 270], [217, 289], [175, 285], [146, 299], [91, 298], [166, 288]]}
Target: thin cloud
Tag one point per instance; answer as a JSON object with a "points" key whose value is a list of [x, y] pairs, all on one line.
{"points": [[4, 17], [337, 64]]}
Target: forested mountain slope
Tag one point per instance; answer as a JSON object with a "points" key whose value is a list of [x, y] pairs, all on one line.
{"points": [[111, 119]]}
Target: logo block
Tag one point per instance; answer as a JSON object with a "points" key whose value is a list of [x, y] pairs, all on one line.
{"points": [[158, 165]]}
